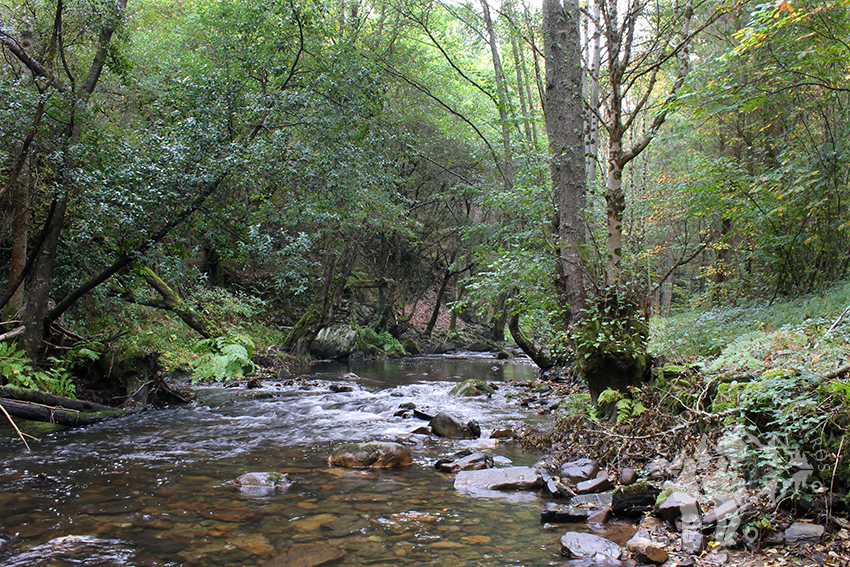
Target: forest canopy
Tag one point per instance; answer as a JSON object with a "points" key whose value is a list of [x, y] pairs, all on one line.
{"points": [[295, 165]]}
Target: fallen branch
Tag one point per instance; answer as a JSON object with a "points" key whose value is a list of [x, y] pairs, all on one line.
{"points": [[837, 372], [12, 421], [8, 336], [58, 415]]}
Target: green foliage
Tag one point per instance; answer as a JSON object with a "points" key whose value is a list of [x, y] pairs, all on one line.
{"points": [[627, 408], [578, 404], [371, 342], [223, 358], [17, 369]]}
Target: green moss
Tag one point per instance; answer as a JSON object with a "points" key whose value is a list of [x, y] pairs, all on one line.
{"points": [[472, 387]]}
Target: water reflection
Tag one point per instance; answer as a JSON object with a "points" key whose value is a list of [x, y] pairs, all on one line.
{"points": [[156, 488]]}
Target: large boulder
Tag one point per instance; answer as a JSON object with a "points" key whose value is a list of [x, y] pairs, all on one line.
{"points": [[334, 342], [372, 455], [588, 546], [444, 425]]}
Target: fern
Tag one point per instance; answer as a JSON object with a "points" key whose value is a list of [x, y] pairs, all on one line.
{"points": [[17, 369], [223, 358]]}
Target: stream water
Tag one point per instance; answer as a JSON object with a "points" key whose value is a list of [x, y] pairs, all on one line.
{"points": [[156, 488]]}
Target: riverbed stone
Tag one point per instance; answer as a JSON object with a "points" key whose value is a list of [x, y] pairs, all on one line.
{"points": [[472, 462], [594, 485], [628, 476], [557, 513], [580, 470], [645, 550], [444, 425], [307, 555], [602, 516], [262, 482], [472, 387], [800, 533], [659, 469], [679, 505], [373, 455], [634, 500], [508, 478], [581, 545], [596, 500]]}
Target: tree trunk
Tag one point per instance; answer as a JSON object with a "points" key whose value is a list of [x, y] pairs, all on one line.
{"points": [[432, 322], [20, 215], [564, 114], [527, 345], [502, 89], [58, 415]]}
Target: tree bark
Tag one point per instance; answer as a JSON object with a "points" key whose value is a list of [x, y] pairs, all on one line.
{"points": [[58, 415], [527, 345], [564, 110]]}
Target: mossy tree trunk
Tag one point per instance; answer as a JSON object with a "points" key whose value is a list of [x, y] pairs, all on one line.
{"points": [[611, 344], [336, 277]]}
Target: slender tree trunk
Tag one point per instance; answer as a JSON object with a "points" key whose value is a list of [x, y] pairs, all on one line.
{"points": [[432, 322], [20, 214], [501, 87], [564, 109]]}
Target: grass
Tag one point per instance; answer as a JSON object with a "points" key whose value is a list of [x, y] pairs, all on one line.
{"points": [[756, 336]]}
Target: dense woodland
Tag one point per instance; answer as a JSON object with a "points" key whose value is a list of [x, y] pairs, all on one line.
{"points": [[560, 170]]}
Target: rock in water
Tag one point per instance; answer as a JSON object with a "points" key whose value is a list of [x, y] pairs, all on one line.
{"points": [[473, 462], [334, 342], [372, 455], [262, 483], [472, 387], [444, 425], [307, 555], [588, 546], [509, 478]]}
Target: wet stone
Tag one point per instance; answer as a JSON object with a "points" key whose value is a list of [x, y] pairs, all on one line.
{"points": [[307, 555], [634, 500], [553, 512], [645, 549], [262, 483], [371, 455], [444, 425], [596, 500], [583, 545], [509, 478], [579, 471], [472, 462], [678, 505]]}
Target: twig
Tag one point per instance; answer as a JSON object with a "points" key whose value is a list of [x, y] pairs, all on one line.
{"points": [[832, 480], [837, 372], [13, 333], [12, 421], [672, 430], [837, 321]]}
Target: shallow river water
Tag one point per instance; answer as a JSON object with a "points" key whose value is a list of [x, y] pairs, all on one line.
{"points": [[156, 488]]}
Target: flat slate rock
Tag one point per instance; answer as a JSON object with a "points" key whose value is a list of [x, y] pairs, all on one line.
{"points": [[556, 513], [307, 555], [509, 478], [579, 471], [802, 533], [596, 500], [588, 546]]}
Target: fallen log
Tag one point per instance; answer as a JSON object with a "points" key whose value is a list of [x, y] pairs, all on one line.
{"points": [[43, 398], [52, 414]]}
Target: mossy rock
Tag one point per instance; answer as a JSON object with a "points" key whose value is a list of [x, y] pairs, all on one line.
{"points": [[473, 387], [411, 347]]}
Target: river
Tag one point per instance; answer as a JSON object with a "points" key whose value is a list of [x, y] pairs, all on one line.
{"points": [[156, 488]]}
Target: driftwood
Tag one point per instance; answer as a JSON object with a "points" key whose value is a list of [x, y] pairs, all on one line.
{"points": [[54, 414]]}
